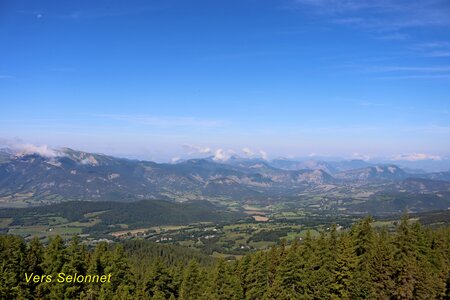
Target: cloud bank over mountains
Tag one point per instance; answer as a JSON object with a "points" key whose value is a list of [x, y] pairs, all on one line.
{"points": [[43, 150], [20, 148], [220, 154], [416, 157]]}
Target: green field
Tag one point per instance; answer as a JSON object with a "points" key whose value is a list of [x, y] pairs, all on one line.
{"points": [[45, 231], [214, 238], [4, 222]]}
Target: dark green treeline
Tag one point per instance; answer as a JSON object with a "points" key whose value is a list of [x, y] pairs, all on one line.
{"points": [[362, 263]]}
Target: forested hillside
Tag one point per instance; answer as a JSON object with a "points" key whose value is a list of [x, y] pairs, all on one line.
{"points": [[138, 213], [411, 263]]}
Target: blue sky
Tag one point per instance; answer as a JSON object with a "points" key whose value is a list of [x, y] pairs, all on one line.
{"points": [[165, 79]]}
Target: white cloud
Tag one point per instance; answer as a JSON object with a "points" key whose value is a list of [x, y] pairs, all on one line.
{"points": [[222, 155], [357, 155], [43, 150], [248, 152], [416, 157], [195, 149], [19, 148], [175, 159], [263, 154]]}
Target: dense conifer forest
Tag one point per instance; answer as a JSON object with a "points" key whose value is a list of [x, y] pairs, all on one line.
{"points": [[413, 262]]}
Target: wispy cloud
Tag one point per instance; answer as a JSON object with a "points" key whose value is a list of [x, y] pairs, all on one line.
{"points": [[439, 54], [164, 121], [425, 76], [112, 10], [248, 152], [389, 69], [250, 54], [38, 14], [394, 37], [63, 70], [345, 6], [383, 15], [195, 149], [373, 104], [78, 15], [416, 157], [433, 49], [428, 129], [405, 72]]}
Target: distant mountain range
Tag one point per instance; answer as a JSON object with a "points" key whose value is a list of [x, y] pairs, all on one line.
{"points": [[329, 167], [28, 179], [376, 173]]}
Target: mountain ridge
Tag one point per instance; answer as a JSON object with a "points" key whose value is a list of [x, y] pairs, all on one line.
{"points": [[34, 179]]}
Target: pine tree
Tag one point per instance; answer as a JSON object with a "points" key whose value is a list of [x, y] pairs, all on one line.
{"points": [[75, 264], [33, 261], [318, 268], [192, 285], [287, 283], [363, 237], [224, 284], [98, 261], [35, 252], [381, 267], [12, 267], [121, 285], [242, 272], [405, 263], [427, 279], [176, 274], [158, 295], [439, 258], [344, 268], [159, 280], [275, 257], [54, 259], [257, 277]]}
